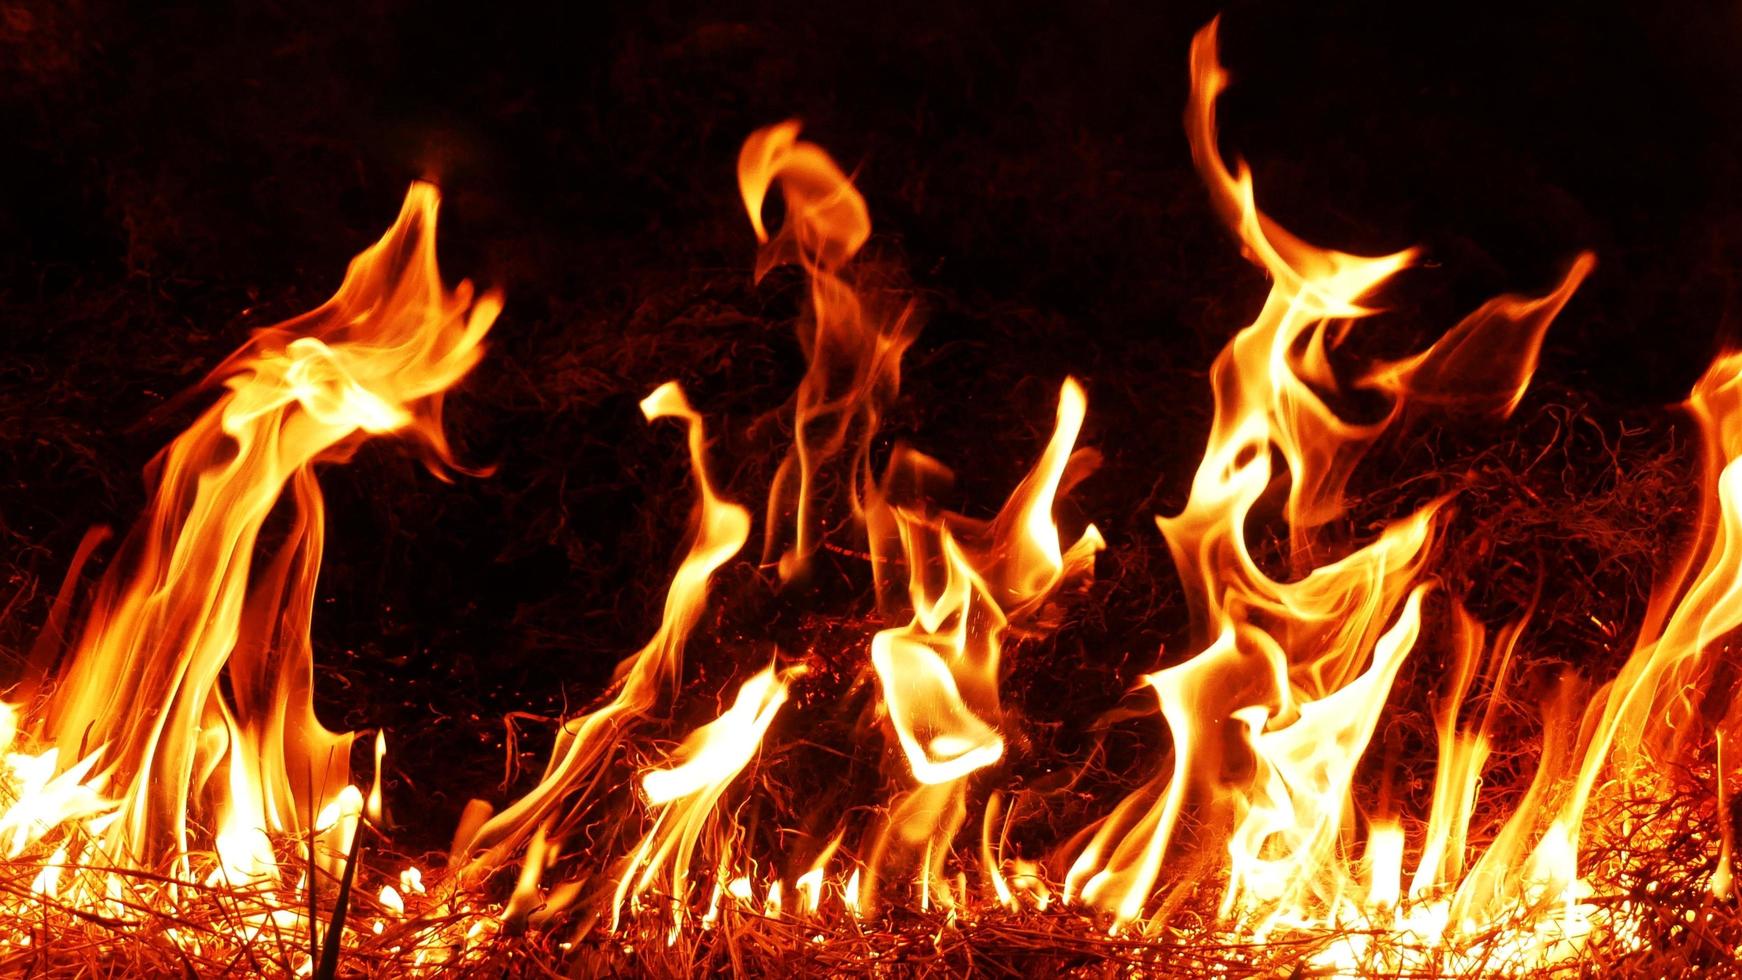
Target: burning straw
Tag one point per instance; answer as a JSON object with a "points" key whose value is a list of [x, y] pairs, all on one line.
{"points": [[173, 804]]}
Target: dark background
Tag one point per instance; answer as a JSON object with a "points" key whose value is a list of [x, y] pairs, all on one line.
{"points": [[175, 176]]}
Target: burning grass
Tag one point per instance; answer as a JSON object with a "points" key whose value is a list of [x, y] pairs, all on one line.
{"points": [[84, 916], [1563, 498], [1664, 917], [1657, 917], [1542, 504], [1253, 811]]}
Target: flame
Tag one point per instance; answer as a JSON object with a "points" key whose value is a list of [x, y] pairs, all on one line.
{"points": [[1670, 692], [853, 348], [172, 747], [852, 344], [938, 675], [810, 884], [1649, 713], [584, 742], [1269, 719], [683, 794], [391, 900], [190, 683]]}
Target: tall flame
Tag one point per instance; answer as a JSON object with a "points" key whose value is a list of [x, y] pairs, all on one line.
{"points": [[1651, 710], [939, 674], [188, 691], [585, 742], [1676, 694], [852, 342], [853, 350], [1269, 719]]}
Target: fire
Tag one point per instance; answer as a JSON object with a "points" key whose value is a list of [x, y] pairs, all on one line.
{"points": [[853, 345], [584, 742], [177, 729], [141, 683], [168, 753], [685, 791], [939, 674], [969, 582], [1269, 720]]}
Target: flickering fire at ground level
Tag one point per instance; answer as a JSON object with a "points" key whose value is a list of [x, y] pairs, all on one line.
{"points": [[176, 801]]}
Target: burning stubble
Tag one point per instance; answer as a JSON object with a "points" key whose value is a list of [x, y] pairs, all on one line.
{"points": [[170, 787]]}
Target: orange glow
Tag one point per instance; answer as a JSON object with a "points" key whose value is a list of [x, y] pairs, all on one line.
{"points": [[178, 729], [169, 755], [1269, 720], [852, 339], [584, 742]]}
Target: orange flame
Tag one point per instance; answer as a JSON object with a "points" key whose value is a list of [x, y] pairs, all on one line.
{"points": [[684, 792], [584, 742], [1269, 719], [939, 674], [852, 344], [190, 684], [1669, 696]]}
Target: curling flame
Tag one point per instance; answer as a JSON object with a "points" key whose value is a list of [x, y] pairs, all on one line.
{"points": [[1270, 718], [939, 674], [190, 684], [642, 679], [852, 342]]}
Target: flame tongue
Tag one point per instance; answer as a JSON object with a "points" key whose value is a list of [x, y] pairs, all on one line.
{"points": [[1270, 718], [852, 343], [853, 349], [191, 680], [968, 583], [586, 741]]}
